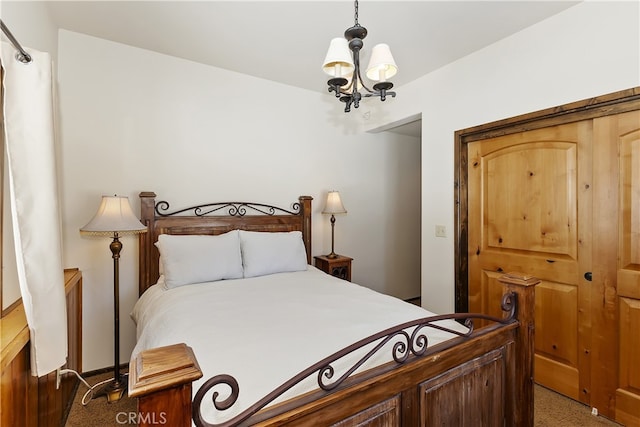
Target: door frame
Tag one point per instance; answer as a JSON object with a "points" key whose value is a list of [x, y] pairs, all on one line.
{"points": [[605, 105]]}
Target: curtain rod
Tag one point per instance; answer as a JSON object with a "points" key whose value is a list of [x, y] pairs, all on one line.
{"points": [[22, 54]]}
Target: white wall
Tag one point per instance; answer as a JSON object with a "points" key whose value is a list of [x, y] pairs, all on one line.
{"points": [[588, 50], [133, 120], [30, 23]]}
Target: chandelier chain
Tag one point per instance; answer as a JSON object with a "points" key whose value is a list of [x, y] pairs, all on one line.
{"points": [[355, 14]]}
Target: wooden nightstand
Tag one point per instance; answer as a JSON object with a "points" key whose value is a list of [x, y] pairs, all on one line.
{"points": [[339, 267]]}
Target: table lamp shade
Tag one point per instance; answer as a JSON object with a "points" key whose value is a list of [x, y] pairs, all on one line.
{"points": [[114, 216], [334, 204]]}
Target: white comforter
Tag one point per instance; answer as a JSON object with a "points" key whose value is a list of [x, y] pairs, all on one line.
{"points": [[265, 330]]}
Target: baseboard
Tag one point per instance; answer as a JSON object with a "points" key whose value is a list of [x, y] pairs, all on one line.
{"points": [[414, 300], [124, 367]]}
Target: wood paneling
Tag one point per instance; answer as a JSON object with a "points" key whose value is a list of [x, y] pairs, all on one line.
{"points": [[53, 403], [383, 414], [25, 399], [18, 392], [469, 395]]}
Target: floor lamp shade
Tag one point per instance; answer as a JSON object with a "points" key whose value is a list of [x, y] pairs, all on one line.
{"points": [[333, 206], [113, 218], [114, 215]]}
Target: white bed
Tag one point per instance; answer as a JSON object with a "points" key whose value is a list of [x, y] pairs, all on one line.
{"points": [[258, 315], [299, 317]]}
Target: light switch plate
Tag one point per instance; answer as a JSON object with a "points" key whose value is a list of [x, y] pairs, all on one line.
{"points": [[441, 231]]}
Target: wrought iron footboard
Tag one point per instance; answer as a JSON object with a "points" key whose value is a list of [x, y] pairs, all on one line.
{"points": [[407, 346]]}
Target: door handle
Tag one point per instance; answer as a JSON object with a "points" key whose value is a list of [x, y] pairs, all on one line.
{"points": [[588, 276]]}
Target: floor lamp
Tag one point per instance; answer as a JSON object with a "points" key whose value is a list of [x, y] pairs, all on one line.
{"points": [[333, 206], [114, 218]]}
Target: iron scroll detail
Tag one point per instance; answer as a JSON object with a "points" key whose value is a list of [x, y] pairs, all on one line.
{"points": [[238, 209], [407, 344]]}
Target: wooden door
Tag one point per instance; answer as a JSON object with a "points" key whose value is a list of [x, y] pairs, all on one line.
{"points": [[529, 210], [562, 203], [616, 258]]}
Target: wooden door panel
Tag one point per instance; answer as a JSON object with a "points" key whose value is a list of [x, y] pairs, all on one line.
{"points": [[628, 392], [556, 337], [489, 290], [522, 205], [523, 195], [629, 283], [557, 357], [626, 127], [565, 379], [630, 343], [629, 248], [534, 210]]}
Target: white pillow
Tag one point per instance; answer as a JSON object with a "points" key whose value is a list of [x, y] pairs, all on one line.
{"points": [[272, 252], [198, 258]]}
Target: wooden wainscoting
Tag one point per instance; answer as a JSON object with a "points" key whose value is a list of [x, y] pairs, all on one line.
{"points": [[24, 399]]}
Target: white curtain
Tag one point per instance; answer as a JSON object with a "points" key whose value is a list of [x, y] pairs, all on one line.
{"points": [[29, 140]]}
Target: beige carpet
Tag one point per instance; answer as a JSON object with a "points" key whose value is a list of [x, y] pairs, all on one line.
{"points": [[554, 410], [551, 410], [98, 412]]}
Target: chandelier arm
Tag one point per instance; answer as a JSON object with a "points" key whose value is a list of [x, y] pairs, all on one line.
{"points": [[362, 80], [379, 93]]}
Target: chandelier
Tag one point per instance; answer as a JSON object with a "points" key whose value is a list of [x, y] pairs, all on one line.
{"points": [[344, 67]]}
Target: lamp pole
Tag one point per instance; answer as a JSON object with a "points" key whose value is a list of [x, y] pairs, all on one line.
{"points": [[116, 247], [332, 255]]}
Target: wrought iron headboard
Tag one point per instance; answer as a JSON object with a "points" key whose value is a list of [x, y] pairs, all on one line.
{"points": [[213, 218]]}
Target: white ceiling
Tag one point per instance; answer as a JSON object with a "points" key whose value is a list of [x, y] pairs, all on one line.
{"points": [[286, 41]]}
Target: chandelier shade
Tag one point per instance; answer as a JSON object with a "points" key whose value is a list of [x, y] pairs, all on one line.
{"points": [[382, 66], [342, 63], [338, 62]]}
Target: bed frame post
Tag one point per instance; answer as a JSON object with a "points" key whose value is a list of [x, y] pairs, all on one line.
{"points": [[147, 210], [522, 370], [161, 380], [305, 209]]}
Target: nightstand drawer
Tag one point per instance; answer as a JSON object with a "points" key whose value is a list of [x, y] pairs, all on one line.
{"points": [[339, 267]]}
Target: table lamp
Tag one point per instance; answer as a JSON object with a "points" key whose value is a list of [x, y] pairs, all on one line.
{"points": [[333, 206]]}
